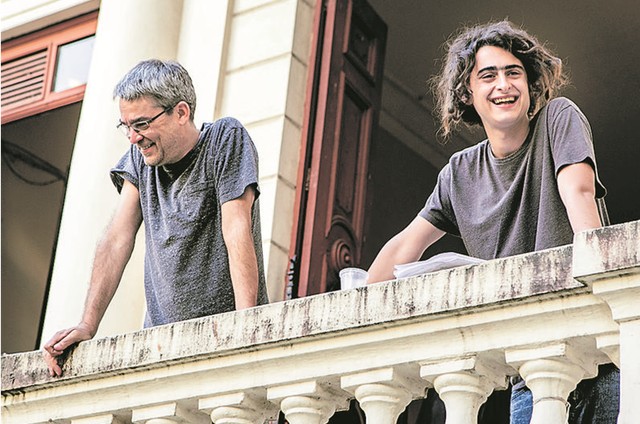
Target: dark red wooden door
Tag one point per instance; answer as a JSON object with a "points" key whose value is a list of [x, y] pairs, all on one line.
{"points": [[342, 116]]}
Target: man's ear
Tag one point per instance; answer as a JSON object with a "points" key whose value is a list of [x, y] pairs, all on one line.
{"points": [[467, 98], [183, 110]]}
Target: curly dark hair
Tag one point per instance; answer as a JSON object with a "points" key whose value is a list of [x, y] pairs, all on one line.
{"points": [[545, 73]]}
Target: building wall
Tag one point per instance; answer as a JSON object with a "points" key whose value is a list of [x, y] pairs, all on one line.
{"points": [[263, 85], [248, 59]]}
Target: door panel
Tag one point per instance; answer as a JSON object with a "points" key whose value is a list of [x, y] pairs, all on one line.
{"points": [[340, 124]]}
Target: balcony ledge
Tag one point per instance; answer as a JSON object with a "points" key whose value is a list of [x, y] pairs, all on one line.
{"points": [[484, 312]]}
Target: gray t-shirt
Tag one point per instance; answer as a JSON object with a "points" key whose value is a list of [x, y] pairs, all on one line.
{"points": [[186, 268], [508, 206]]}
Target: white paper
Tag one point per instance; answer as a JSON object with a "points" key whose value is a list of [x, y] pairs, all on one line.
{"points": [[435, 263]]}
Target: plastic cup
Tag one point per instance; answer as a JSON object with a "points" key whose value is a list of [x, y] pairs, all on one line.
{"points": [[350, 278]]}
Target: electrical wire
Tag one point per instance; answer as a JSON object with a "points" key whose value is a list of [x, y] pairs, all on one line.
{"points": [[12, 153]]}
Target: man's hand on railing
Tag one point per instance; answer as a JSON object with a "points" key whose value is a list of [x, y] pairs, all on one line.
{"points": [[61, 341]]}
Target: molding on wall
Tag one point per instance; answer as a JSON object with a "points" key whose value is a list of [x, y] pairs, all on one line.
{"points": [[21, 17]]}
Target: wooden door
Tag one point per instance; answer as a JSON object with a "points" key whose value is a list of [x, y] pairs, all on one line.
{"points": [[341, 117]]}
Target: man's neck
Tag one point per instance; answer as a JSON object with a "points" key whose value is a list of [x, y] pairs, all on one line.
{"points": [[190, 136], [504, 143]]}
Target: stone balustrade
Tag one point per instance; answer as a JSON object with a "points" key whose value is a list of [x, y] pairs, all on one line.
{"points": [[549, 316]]}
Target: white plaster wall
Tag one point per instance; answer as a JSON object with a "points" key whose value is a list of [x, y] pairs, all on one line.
{"points": [[263, 85]]}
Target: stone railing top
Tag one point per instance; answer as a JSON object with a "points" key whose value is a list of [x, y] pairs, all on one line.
{"points": [[607, 251], [519, 279], [449, 291]]}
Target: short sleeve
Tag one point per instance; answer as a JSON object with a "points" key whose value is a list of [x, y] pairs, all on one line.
{"points": [[571, 138], [127, 168], [437, 209], [235, 161]]}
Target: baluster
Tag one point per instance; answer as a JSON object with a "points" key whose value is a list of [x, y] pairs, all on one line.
{"points": [[238, 408], [551, 373], [464, 385], [384, 393], [307, 402]]}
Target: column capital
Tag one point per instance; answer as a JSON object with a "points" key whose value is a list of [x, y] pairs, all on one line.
{"points": [[492, 371], [308, 402], [464, 383], [166, 413], [238, 407], [385, 392], [609, 343], [585, 357], [401, 377], [551, 373]]}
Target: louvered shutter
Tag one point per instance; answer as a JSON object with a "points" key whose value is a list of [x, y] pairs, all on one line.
{"points": [[23, 80], [28, 69]]}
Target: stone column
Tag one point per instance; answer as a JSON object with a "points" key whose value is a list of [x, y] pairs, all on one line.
{"points": [[238, 408], [551, 373], [307, 402], [622, 294], [383, 393], [128, 32], [608, 260], [463, 385], [204, 29]]}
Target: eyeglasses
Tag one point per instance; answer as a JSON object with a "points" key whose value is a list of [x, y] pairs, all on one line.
{"points": [[139, 125]]}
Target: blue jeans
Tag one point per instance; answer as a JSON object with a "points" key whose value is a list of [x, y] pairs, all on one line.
{"points": [[594, 401], [521, 403]]}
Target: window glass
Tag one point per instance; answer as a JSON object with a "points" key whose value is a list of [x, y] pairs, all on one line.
{"points": [[72, 67]]}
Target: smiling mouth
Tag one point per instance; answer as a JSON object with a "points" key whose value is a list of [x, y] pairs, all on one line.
{"points": [[504, 100], [143, 148]]}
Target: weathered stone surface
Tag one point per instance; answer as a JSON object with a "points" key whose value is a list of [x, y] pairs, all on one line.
{"points": [[613, 250], [413, 329], [445, 292]]}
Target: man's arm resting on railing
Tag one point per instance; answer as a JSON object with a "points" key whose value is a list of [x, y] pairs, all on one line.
{"points": [[406, 246], [237, 234], [112, 254]]}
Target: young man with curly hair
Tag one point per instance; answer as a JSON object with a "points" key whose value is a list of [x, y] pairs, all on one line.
{"points": [[530, 185]]}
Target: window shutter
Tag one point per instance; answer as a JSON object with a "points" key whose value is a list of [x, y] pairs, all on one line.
{"points": [[23, 80], [29, 69]]}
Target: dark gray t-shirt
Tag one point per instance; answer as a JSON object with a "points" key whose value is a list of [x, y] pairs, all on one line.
{"points": [[508, 206], [186, 268]]}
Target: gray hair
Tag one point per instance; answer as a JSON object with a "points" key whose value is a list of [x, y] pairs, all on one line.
{"points": [[167, 82]]}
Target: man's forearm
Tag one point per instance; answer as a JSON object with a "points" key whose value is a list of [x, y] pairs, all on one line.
{"points": [[406, 246], [583, 212], [243, 265], [238, 238], [109, 263], [244, 278]]}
